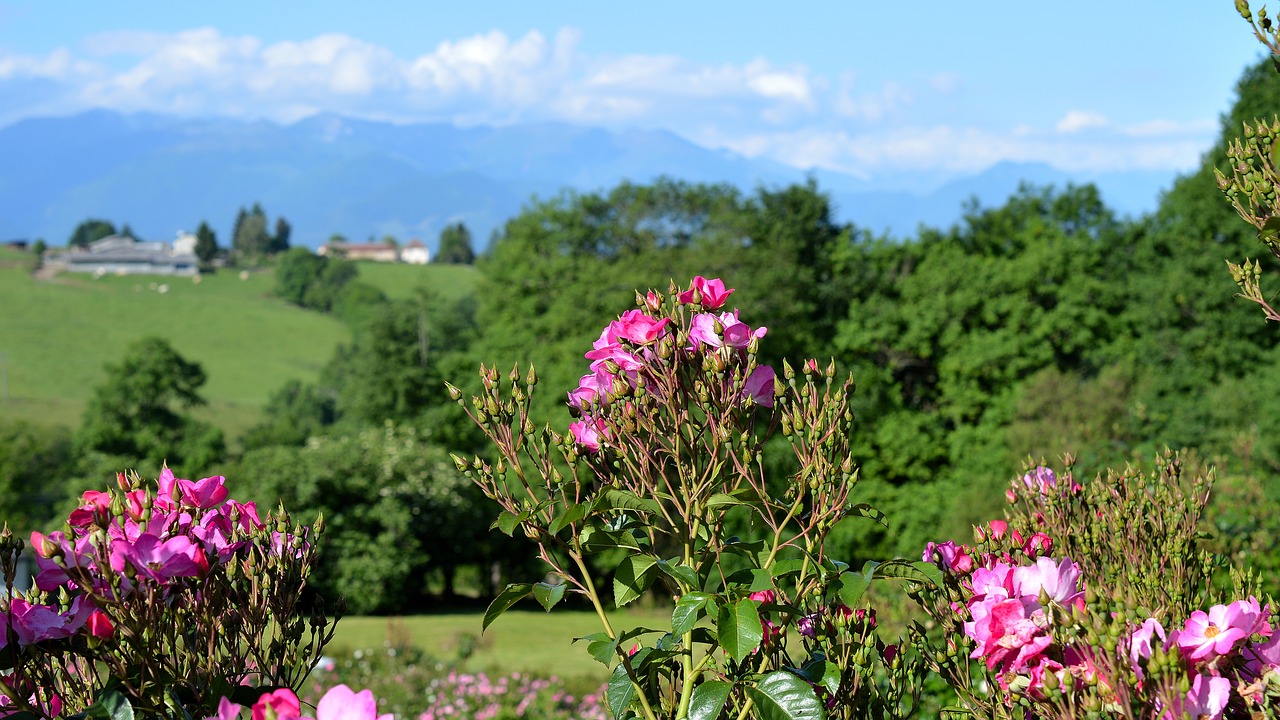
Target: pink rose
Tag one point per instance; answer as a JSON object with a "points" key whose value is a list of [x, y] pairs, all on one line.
{"points": [[711, 293], [759, 386]]}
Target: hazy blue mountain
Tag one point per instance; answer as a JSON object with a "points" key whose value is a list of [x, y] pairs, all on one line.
{"points": [[329, 174]]}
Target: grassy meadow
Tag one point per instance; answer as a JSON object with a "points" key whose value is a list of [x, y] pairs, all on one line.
{"points": [[399, 281], [520, 641], [57, 334]]}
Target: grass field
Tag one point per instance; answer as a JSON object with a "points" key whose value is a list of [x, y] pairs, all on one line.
{"points": [[56, 335], [520, 640], [399, 280]]}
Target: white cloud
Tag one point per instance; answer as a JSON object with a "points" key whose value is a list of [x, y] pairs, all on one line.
{"points": [[57, 65], [869, 107], [1077, 120], [758, 108]]}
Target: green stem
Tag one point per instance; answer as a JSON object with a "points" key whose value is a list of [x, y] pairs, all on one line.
{"points": [[777, 534], [608, 629]]}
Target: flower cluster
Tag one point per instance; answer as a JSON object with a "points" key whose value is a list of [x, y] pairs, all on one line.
{"points": [[340, 703], [151, 588], [478, 697], [1061, 639], [622, 358], [1010, 608]]}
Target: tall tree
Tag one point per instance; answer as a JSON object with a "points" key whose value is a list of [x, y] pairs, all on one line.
{"points": [[206, 243], [280, 241], [250, 238], [89, 231], [455, 246], [138, 418]]}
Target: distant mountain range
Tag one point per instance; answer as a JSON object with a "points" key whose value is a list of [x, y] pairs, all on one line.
{"points": [[328, 174]]}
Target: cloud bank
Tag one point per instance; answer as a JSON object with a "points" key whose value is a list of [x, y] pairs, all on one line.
{"points": [[759, 108]]}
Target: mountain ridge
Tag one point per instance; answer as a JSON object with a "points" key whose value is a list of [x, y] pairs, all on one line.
{"points": [[330, 174]]}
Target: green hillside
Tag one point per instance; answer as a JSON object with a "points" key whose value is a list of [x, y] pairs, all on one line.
{"points": [[399, 280], [55, 335]]}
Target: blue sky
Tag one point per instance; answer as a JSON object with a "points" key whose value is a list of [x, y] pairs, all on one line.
{"points": [[873, 89]]}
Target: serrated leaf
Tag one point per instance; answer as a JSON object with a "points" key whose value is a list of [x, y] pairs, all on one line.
{"points": [[597, 540], [789, 566], [600, 646], [620, 692], [507, 522], [780, 695], [685, 616], [705, 635], [740, 632], [709, 699], [867, 511], [915, 571], [634, 576], [621, 500], [751, 579], [566, 517], [852, 586], [681, 573], [548, 595], [110, 705], [509, 596], [821, 671]]}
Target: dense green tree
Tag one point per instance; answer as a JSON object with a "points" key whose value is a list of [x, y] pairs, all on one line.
{"points": [[250, 238], [293, 414], [89, 231], [280, 240], [35, 464], [455, 246], [395, 510], [310, 280], [206, 244], [400, 358], [137, 418]]}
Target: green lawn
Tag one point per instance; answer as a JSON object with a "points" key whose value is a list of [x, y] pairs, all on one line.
{"points": [[399, 280], [56, 335], [520, 640]]}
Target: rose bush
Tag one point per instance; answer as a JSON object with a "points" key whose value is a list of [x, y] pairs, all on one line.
{"points": [[161, 598], [672, 421]]}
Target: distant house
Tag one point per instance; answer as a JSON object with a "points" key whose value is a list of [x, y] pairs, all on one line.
{"points": [[122, 255], [377, 252], [415, 253]]}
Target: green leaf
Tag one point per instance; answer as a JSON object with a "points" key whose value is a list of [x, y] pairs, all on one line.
{"points": [[566, 517], [548, 595], [752, 579], [681, 573], [709, 699], [852, 586], [509, 596], [634, 576], [111, 705], [780, 695], [621, 500], [685, 615], [596, 540], [507, 522], [822, 671], [600, 646], [742, 496], [739, 629], [783, 568], [915, 571], [620, 692], [865, 510]]}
